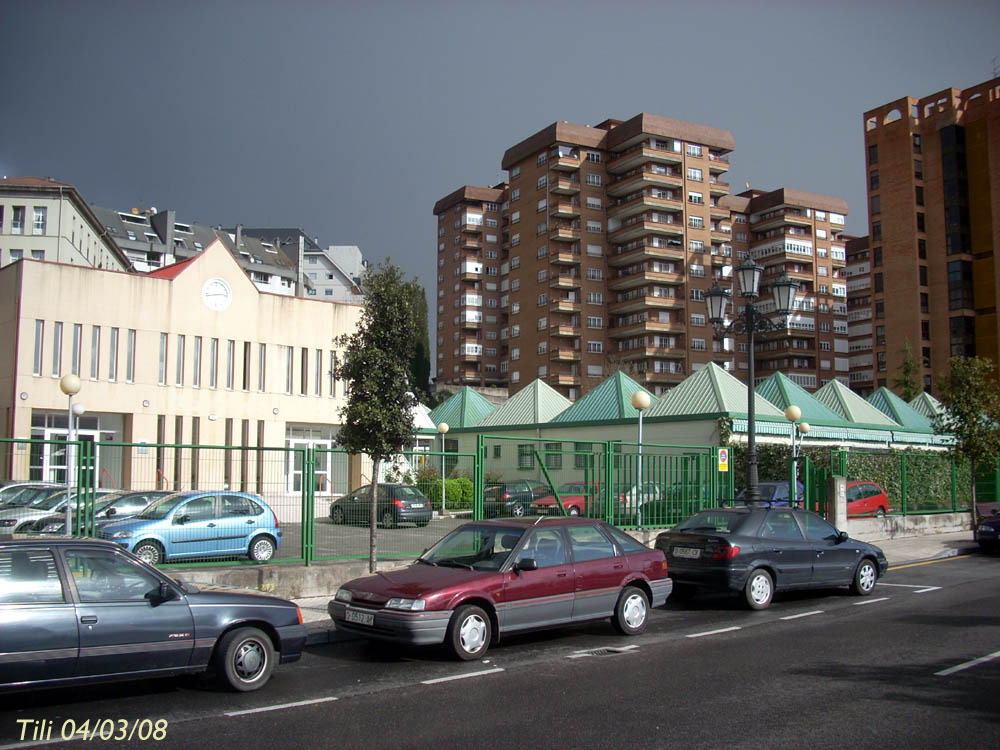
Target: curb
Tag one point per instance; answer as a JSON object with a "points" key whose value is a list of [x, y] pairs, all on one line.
{"points": [[971, 550]]}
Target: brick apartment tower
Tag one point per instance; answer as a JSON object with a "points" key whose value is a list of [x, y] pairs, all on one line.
{"points": [[596, 253], [933, 176]]}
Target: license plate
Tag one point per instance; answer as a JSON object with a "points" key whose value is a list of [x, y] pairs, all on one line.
{"points": [[689, 552], [362, 618], [416, 505]]}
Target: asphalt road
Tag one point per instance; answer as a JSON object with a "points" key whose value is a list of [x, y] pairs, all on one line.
{"points": [[897, 669]]}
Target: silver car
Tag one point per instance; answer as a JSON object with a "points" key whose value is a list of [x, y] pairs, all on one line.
{"points": [[112, 507], [22, 493], [17, 519]]}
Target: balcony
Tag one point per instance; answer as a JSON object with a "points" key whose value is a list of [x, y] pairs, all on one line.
{"points": [[564, 306], [644, 177], [565, 209], [659, 352], [565, 281], [563, 185], [645, 302], [645, 276], [559, 378], [643, 224], [564, 160], [564, 232], [564, 255], [647, 327], [648, 248], [774, 219], [640, 154], [666, 377], [718, 187], [471, 242], [718, 162], [646, 200], [473, 228], [564, 329], [563, 354]]}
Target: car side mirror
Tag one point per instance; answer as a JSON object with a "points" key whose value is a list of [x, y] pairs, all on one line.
{"points": [[164, 593], [182, 519], [842, 537], [527, 563], [111, 512]]}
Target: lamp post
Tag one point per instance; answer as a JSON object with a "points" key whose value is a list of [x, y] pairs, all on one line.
{"points": [[640, 400], [442, 430], [750, 320], [70, 385], [793, 414]]}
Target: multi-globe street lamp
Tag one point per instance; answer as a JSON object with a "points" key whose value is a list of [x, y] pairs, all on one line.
{"points": [[70, 385], [750, 320], [793, 414], [442, 430]]}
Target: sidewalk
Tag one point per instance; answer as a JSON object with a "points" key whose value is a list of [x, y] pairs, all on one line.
{"points": [[897, 552]]}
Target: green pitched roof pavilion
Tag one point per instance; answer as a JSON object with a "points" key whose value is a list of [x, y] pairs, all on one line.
{"points": [[608, 401], [463, 409]]}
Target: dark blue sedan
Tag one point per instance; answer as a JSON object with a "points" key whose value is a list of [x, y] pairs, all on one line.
{"points": [[84, 610]]}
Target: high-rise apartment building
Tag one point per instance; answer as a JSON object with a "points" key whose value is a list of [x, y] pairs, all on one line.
{"points": [[933, 177], [597, 251]]}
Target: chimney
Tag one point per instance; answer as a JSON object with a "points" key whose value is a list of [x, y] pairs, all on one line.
{"points": [[239, 237], [300, 284]]}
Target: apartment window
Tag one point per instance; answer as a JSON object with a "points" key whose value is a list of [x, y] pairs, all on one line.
{"points": [[543, 182], [113, 355], [595, 251], [515, 376], [876, 231], [15, 254], [594, 157], [873, 154], [95, 352], [17, 220], [161, 374], [304, 372], [925, 302], [333, 374], [230, 364], [824, 346], [919, 196], [319, 372], [696, 222], [38, 222], [593, 179], [926, 354], [526, 453], [595, 347], [195, 362], [698, 345], [542, 275], [879, 284], [918, 169], [542, 299], [879, 309], [698, 295], [594, 203], [38, 255], [542, 205], [515, 194], [696, 269], [697, 319], [921, 223], [696, 246], [515, 354], [213, 363], [515, 331], [543, 347], [594, 322], [542, 228], [595, 227], [880, 359], [916, 143], [515, 217], [880, 335], [595, 274], [877, 257], [694, 197], [595, 298], [693, 150], [922, 249], [543, 323], [542, 251], [515, 172], [289, 365], [873, 180], [541, 159], [39, 347], [130, 356], [515, 240], [74, 364], [515, 308], [824, 289], [925, 330], [876, 204]]}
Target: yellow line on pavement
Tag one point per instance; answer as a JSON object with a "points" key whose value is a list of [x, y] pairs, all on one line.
{"points": [[929, 562]]}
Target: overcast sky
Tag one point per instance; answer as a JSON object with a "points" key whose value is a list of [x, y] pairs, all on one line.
{"points": [[350, 119]]}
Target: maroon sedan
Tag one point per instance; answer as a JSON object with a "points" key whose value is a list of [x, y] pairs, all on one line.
{"points": [[491, 577]]}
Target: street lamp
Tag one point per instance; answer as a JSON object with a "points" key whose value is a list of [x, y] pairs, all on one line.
{"points": [[443, 430], [70, 385], [750, 320], [640, 400], [793, 414]]}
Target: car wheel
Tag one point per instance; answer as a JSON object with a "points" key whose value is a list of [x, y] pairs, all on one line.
{"points": [[517, 510], [261, 549], [880, 512], [759, 589], [244, 659], [865, 578], [469, 632], [573, 511], [337, 515], [389, 520], [150, 552], [631, 611]]}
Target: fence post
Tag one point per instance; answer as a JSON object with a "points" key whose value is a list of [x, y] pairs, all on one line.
{"points": [[607, 491], [479, 481], [902, 483], [308, 503]]}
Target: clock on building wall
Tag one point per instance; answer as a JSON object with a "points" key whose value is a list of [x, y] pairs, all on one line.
{"points": [[216, 294]]}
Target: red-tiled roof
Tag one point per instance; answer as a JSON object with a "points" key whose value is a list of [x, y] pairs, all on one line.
{"points": [[173, 270], [32, 182]]}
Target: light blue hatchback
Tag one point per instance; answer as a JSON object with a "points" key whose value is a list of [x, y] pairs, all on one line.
{"points": [[199, 524]]}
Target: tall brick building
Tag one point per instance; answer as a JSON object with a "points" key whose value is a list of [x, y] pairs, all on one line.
{"points": [[933, 177], [596, 252]]}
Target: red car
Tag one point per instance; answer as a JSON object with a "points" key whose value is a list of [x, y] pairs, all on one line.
{"points": [[866, 499], [488, 578], [577, 498]]}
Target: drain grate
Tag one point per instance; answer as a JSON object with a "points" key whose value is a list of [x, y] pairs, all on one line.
{"points": [[606, 651]]}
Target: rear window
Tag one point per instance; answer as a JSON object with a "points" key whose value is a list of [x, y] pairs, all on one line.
{"points": [[713, 522], [410, 493], [627, 543]]}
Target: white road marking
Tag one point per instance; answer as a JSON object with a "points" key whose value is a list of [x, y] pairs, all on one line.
{"points": [[461, 676], [967, 664], [280, 706], [713, 632], [803, 614], [929, 588], [872, 601], [923, 588]]}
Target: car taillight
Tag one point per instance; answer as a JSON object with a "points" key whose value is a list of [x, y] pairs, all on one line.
{"points": [[506, 496], [277, 523], [398, 503], [725, 552], [298, 611]]}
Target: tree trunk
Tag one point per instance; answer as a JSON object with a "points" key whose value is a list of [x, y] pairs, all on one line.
{"points": [[975, 513], [373, 517]]}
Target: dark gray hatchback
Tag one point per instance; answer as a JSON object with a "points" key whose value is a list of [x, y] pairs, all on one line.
{"points": [[83, 610]]}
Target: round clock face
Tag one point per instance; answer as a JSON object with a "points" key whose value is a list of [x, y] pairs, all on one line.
{"points": [[216, 294]]}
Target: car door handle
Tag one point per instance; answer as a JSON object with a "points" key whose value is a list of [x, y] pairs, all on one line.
{"points": [[619, 566], [561, 575], [819, 552], [211, 525], [88, 619], [776, 551], [250, 521]]}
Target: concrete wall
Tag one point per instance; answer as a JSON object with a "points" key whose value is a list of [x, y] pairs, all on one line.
{"points": [[898, 527]]}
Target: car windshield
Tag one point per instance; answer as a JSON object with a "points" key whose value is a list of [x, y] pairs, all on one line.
{"points": [[574, 488], [21, 496], [163, 506], [713, 522], [48, 501], [474, 546]]}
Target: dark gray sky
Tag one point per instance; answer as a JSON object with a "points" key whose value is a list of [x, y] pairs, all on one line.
{"points": [[350, 119]]}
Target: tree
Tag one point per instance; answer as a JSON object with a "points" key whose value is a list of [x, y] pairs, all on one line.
{"points": [[906, 381], [971, 396], [377, 418], [420, 361]]}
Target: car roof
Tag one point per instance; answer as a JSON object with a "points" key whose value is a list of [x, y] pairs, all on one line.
{"points": [[530, 521], [34, 540]]}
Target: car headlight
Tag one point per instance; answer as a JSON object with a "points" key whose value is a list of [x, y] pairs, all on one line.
{"points": [[52, 528], [987, 528], [123, 534], [8, 522], [415, 605], [343, 595]]}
